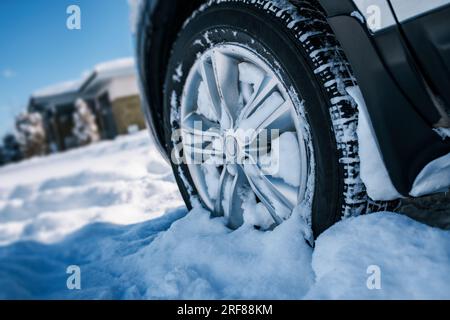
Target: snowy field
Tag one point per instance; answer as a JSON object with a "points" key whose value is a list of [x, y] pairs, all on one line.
{"points": [[114, 210]]}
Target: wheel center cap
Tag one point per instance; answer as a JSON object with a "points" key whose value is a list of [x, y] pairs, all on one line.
{"points": [[231, 147]]}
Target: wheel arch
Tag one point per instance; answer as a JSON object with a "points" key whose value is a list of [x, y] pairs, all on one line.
{"points": [[158, 25]]}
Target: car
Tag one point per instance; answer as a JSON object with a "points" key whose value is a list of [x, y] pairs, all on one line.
{"points": [[326, 109]]}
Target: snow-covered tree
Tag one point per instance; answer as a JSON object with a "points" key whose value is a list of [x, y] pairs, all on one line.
{"points": [[85, 129], [31, 134]]}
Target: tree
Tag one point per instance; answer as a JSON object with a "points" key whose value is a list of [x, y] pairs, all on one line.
{"points": [[11, 149], [85, 129], [2, 156], [31, 134]]}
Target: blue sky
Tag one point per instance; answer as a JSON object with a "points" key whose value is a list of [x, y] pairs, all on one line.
{"points": [[37, 49]]}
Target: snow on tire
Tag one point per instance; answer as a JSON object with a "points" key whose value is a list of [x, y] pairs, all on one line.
{"points": [[302, 49]]}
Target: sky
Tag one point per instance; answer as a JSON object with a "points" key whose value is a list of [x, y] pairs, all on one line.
{"points": [[37, 49]]}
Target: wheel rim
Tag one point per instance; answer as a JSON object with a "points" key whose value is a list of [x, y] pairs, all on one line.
{"points": [[240, 130]]}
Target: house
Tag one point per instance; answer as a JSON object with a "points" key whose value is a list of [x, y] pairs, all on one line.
{"points": [[111, 92], [56, 104]]}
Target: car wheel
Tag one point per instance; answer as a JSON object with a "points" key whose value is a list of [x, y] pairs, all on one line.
{"points": [[277, 73]]}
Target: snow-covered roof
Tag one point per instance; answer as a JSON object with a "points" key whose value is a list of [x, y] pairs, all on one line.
{"points": [[101, 72], [117, 67], [109, 70], [58, 89]]}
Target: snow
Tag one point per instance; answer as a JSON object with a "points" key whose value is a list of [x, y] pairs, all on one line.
{"points": [[358, 15], [85, 127], [413, 259], [30, 134], [443, 132], [45, 199], [285, 151], [178, 73], [114, 210], [373, 170], [121, 67], [117, 67], [256, 214], [249, 73], [212, 178], [434, 178], [58, 89]]}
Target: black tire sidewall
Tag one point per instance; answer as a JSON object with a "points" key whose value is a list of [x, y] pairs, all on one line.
{"points": [[249, 26]]}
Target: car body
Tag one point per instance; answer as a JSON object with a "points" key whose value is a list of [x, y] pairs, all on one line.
{"points": [[399, 51]]}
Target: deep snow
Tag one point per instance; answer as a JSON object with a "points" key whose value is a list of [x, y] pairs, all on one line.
{"points": [[114, 210]]}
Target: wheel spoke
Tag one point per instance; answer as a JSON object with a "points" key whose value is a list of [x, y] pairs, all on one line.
{"points": [[201, 127], [272, 109], [262, 91], [227, 79], [229, 201], [209, 78], [199, 154], [274, 193], [201, 139]]}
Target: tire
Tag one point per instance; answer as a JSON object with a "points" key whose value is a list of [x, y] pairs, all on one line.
{"points": [[299, 43]]}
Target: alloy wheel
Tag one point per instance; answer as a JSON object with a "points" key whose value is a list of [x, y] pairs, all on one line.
{"points": [[245, 145]]}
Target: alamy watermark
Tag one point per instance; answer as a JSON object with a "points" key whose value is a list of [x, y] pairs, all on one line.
{"points": [[73, 21], [74, 279], [200, 145], [373, 17], [374, 280]]}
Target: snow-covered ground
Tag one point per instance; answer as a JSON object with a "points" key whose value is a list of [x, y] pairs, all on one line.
{"points": [[114, 210]]}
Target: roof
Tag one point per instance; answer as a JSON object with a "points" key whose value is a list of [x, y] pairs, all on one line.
{"points": [[115, 67], [106, 71], [101, 72], [58, 89]]}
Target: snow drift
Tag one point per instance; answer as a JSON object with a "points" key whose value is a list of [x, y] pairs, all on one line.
{"points": [[114, 210]]}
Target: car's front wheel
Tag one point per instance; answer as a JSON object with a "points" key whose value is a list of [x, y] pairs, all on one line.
{"points": [[257, 118]]}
